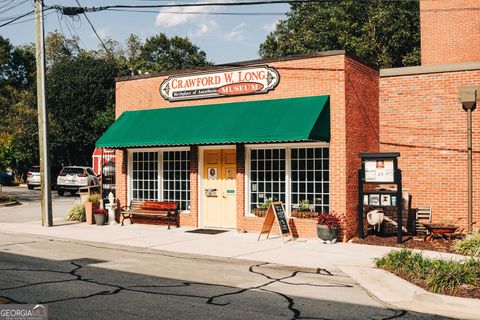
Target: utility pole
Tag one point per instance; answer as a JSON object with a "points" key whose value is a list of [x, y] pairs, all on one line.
{"points": [[42, 117]]}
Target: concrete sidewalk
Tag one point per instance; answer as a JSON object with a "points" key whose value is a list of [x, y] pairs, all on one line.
{"points": [[355, 260]]}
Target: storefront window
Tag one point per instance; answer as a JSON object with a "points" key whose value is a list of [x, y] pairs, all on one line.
{"points": [[310, 178], [307, 177], [145, 176], [176, 178], [173, 184], [267, 176]]}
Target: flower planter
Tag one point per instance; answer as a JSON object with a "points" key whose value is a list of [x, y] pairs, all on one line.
{"points": [[304, 214], [327, 234], [100, 219], [260, 212], [89, 208]]}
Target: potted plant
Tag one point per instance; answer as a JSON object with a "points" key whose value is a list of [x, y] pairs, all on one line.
{"points": [[100, 216], [261, 210], [304, 210], [328, 225], [93, 202]]}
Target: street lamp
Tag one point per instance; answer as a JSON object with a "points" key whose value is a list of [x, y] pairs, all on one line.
{"points": [[468, 97]]}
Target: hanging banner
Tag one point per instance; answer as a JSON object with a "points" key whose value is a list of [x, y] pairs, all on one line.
{"points": [[233, 82]]}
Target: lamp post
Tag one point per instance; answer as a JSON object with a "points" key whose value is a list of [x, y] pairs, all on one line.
{"points": [[468, 97]]}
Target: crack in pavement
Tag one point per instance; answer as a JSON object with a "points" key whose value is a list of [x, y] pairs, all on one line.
{"points": [[211, 300]]}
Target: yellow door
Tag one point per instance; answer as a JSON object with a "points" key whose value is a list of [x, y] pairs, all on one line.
{"points": [[219, 184]]}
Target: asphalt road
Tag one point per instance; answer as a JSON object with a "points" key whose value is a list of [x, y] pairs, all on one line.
{"points": [[91, 281], [78, 280], [29, 209]]}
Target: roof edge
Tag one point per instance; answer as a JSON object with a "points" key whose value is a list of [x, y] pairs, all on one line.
{"points": [[441, 68], [237, 64]]}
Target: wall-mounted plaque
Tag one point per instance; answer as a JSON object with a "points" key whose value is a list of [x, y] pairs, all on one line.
{"points": [[212, 173], [230, 82]]}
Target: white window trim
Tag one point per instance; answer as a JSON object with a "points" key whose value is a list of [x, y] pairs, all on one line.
{"points": [[288, 159], [160, 170]]}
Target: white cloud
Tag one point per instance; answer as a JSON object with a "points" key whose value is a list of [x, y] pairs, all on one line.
{"points": [[271, 27], [103, 33], [237, 34], [202, 28], [173, 17]]}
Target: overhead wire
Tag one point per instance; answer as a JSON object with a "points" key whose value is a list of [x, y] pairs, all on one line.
{"points": [[94, 30]]}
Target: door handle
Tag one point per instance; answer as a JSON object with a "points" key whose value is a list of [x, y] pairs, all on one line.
{"points": [[224, 195]]}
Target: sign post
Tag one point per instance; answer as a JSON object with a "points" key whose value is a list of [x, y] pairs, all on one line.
{"points": [[276, 212]]}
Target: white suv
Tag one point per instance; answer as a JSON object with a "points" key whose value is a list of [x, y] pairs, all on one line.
{"points": [[33, 177], [73, 178]]}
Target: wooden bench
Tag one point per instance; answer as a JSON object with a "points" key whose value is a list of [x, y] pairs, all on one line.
{"points": [[151, 208]]}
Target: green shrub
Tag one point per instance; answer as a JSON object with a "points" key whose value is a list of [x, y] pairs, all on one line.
{"points": [[77, 213], [438, 275], [94, 198], [7, 198], [469, 246]]}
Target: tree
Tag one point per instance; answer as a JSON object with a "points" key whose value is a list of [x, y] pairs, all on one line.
{"points": [[58, 47], [383, 33], [159, 53], [79, 90]]}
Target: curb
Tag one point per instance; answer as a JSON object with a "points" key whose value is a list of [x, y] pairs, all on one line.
{"points": [[400, 293]]}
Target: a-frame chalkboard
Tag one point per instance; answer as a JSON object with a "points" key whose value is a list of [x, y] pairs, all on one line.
{"points": [[276, 211]]}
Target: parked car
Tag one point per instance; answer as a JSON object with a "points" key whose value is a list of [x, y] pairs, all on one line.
{"points": [[33, 177], [6, 179], [72, 178]]}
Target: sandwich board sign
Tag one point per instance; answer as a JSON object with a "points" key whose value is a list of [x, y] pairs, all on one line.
{"points": [[276, 212]]}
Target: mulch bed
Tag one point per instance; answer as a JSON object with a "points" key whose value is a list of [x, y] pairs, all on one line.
{"points": [[408, 242], [418, 243], [463, 291]]}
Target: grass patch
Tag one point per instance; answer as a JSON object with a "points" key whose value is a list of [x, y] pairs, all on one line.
{"points": [[439, 276], [469, 246], [7, 198]]}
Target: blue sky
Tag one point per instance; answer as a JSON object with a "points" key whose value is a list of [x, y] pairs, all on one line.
{"points": [[224, 38]]}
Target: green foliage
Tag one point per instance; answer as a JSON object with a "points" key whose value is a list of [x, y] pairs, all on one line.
{"points": [[469, 246], [384, 33], [6, 198], [440, 276], [266, 204], [78, 91], [7, 151], [77, 213], [94, 198], [160, 53], [304, 205]]}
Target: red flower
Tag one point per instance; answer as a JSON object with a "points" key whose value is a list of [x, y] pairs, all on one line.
{"points": [[331, 220], [99, 211]]}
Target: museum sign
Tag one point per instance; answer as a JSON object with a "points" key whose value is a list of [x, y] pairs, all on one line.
{"points": [[232, 82]]}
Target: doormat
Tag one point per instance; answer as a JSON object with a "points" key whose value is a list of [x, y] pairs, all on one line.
{"points": [[207, 231]]}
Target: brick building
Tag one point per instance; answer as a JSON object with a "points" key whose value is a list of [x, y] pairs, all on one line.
{"points": [[208, 140]]}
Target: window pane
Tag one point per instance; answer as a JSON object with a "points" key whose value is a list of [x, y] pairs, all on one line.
{"points": [[145, 176], [176, 168], [310, 177], [267, 175]]}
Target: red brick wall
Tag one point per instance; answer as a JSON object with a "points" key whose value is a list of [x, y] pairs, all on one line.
{"points": [[362, 135], [298, 77], [449, 31], [422, 118]]}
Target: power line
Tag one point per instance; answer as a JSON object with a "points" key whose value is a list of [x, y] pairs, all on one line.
{"points": [[17, 18], [202, 12], [93, 28]]}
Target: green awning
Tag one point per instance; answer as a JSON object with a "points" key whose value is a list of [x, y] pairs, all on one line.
{"points": [[283, 120]]}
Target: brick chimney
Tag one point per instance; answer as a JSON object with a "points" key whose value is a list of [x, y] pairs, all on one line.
{"points": [[450, 31]]}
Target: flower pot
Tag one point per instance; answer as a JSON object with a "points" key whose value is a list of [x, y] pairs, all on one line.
{"points": [[89, 207], [260, 212], [327, 234], [100, 219]]}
